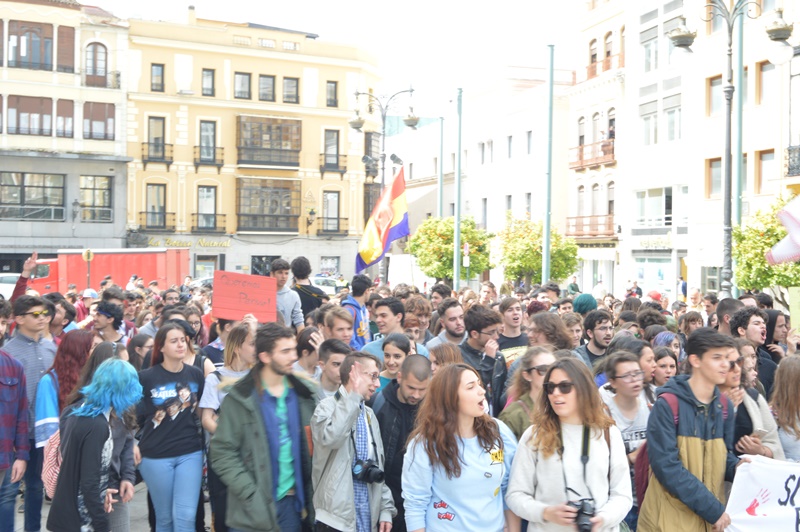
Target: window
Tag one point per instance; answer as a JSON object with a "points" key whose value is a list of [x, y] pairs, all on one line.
{"points": [[716, 23], [436, 166], [650, 54], [266, 88], [610, 197], [510, 144], [581, 132], [30, 116], [452, 209], [156, 205], [206, 207], [484, 211], [673, 119], [291, 90], [612, 123], [98, 121], [597, 207], [331, 94], [329, 265], [529, 137], [332, 148], [96, 65], [95, 199], [744, 185], [291, 45], [714, 96], [490, 145], [270, 141], [31, 196], [65, 61], [713, 177], [30, 45], [208, 82], [607, 45], [596, 127], [266, 43], [767, 88], [208, 141], [767, 169], [528, 204], [482, 148], [768, 5], [65, 110], [581, 200], [155, 138], [241, 85], [649, 129], [710, 278], [157, 77], [508, 202], [268, 204], [654, 207], [593, 52]]}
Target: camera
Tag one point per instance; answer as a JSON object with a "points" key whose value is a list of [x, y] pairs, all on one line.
{"points": [[585, 509], [367, 471]]}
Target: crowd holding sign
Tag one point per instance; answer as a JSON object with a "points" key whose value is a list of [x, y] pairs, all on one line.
{"points": [[765, 496], [241, 293]]}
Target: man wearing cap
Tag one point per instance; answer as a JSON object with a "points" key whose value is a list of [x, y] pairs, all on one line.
{"points": [[83, 304]]}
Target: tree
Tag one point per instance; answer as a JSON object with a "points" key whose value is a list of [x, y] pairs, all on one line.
{"points": [[750, 245], [432, 246], [521, 252]]}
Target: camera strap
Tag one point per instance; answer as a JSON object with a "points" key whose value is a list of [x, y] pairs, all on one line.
{"points": [[584, 461], [371, 436]]}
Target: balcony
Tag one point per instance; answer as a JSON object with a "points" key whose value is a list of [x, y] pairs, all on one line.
{"points": [[331, 226], [208, 223], [157, 221], [108, 80], [32, 212], [269, 157], [793, 161], [209, 156], [591, 71], [268, 223], [590, 155], [157, 152], [30, 65], [332, 163], [35, 131], [599, 225], [613, 61]]}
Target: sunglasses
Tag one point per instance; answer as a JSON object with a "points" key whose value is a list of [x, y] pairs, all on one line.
{"points": [[541, 370], [738, 362], [37, 313], [563, 387]]}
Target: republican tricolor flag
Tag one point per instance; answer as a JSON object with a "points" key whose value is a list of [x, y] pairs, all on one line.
{"points": [[389, 221]]}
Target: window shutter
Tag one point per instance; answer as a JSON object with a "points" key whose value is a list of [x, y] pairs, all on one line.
{"points": [[66, 49]]}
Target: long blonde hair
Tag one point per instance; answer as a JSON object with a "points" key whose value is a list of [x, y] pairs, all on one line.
{"points": [[236, 339], [547, 436], [785, 399]]}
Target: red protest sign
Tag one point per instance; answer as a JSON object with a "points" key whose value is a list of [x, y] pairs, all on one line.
{"points": [[237, 294]]}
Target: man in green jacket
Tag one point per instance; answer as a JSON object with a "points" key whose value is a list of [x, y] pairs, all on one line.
{"points": [[269, 491]]}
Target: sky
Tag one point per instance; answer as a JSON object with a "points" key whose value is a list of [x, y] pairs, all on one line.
{"points": [[435, 46]]}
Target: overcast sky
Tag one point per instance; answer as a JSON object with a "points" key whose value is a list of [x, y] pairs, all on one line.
{"points": [[434, 45]]}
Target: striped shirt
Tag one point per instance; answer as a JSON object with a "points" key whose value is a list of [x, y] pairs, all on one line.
{"points": [[36, 358], [14, 442]]}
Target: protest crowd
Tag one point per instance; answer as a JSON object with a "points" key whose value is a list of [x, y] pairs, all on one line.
{"points": [[383, 408]]}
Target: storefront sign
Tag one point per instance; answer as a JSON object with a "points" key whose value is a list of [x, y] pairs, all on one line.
{"points": [[656, 242], [175, 243], [237, 294]]}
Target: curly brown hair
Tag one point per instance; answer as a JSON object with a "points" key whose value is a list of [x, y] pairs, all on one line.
{"points": [[547, 436], [552, 326], [437, 421]]}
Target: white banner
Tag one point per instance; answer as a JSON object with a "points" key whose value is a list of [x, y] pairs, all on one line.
{"points": [[765, 496]]}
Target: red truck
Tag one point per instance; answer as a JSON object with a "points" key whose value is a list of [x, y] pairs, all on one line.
{"points": [[168, 266]]}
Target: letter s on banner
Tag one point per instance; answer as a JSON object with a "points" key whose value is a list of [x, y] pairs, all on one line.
{"points": [[764, 495]]}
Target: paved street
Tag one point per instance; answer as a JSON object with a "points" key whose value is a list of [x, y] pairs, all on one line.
{"points": [[138, 513]]}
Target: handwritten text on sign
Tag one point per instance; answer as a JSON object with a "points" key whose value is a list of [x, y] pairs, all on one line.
{"points": [[765, 496], [237, 294]]}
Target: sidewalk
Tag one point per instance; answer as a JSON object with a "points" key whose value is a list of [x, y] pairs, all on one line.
{"points": [[138, 510]]}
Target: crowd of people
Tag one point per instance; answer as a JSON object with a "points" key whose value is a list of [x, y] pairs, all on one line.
{"points": [[382, 408]]}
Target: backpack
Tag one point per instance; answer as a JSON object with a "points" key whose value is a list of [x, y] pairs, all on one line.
{"points": [[51, 464], [641, 468]]}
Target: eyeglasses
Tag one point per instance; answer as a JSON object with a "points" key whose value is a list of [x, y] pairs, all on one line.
{"points": [[633, 376], [563, 387], [738, 362], [195, 324], [607, 328], [491, 333], [373, 376], [541, 370], [37, 313]]}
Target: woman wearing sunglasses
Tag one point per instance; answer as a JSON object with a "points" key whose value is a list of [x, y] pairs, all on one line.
{"points": [[548, 472], [456, 466], [526, 388], [755, 430], [628, 410]]}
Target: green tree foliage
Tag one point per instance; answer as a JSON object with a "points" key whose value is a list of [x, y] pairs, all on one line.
{"points": [[521, 252], [432, 246], [750, 245]]}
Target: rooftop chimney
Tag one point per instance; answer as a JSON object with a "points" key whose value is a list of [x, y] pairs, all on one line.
{"points": [[192, 16]]}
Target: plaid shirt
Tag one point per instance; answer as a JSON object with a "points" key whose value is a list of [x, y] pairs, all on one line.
{"points": [[14, 442]]}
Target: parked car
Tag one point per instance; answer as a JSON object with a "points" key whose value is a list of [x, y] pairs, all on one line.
{"points": [[204, 282], [326, 284], [7, 283]]}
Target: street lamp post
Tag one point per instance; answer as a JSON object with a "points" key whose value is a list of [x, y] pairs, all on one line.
{"points": [[357, 123], [683, 39]]}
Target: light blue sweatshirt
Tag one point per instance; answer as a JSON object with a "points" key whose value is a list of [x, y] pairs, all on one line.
{"points": [[473, 501]]}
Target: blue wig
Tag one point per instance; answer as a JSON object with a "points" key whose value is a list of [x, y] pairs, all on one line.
{"points": [[115, 385]]}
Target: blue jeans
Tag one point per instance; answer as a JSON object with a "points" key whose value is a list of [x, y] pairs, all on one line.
{"points": [[288, 517], [34, 495], [174, 484]]}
